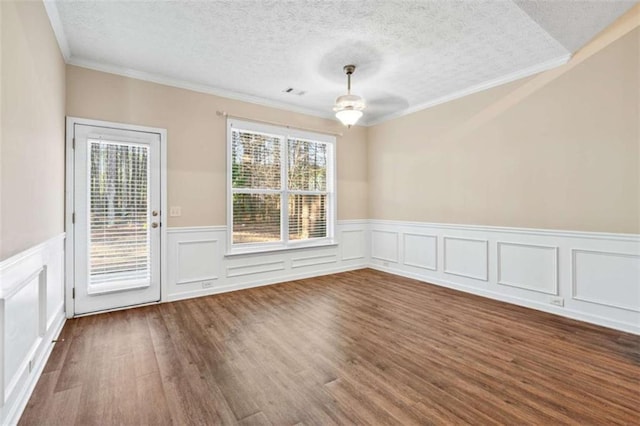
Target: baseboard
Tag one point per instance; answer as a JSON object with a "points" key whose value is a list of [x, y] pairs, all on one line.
{"points": [[14, 412]]}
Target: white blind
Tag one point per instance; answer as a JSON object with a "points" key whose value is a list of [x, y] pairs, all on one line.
{"points": [[307, 185], [119, 213], [256, 187]]}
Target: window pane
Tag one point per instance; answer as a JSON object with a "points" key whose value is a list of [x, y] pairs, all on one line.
{"points": [[255, 160], [307, 165], [307, 216], [119, 204], [256, 218]]}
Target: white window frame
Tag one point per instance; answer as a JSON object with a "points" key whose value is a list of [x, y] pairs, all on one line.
{"points": [[284, 133]]}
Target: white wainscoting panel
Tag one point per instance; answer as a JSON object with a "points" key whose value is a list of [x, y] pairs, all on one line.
{"points": [[353, 244], [384, 245], [420, 251], [198, 265], [607, 278], [242, 269], [31, 316], [528, 266], [466, 257], [195, 261], [316, 260], [589, 276]]}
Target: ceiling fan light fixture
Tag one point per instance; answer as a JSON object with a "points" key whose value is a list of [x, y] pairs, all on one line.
{"points": [[348, 108], [349, 116]]}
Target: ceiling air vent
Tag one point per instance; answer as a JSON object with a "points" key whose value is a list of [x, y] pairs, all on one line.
{"points": [[293, 91]]}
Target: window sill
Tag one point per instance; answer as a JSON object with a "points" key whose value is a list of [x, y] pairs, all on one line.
{"points": [[251, 251]]}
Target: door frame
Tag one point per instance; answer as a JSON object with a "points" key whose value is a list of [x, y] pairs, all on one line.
{"points": [[69, 274]]}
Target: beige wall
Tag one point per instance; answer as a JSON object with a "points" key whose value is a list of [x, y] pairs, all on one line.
{"points": [[564, 156], [197, 139], [32, 135]]}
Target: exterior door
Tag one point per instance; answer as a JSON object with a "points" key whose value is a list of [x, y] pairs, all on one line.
{"points": [[117, 218]]}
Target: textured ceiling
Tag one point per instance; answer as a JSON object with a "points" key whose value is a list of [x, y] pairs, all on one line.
{"points": [[410, 54]]}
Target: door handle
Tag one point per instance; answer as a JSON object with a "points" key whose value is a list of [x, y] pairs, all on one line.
{"points": [[154, 225]]}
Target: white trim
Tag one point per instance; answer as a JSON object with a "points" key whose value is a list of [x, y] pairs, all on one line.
{"points": [[13, 416], [321, 259], [70, 202], [445, 238], [6, 293], [19, 257], [58, 29], [328, 115], [526, 303], [404, 249], [561, 243], [397, 244], [500, 281], [196, 87], [352, 231], [177, 261], [574, 282], [276, 265], [512, 230], [535, 69], [56, 23], [261, 282], [276, 249]]}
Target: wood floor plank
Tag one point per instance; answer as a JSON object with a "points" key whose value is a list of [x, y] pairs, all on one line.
{"points": [[361, 347]]}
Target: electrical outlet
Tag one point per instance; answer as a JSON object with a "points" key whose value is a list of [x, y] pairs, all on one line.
{"points": [[175, 211], [558, 301], [207, 284]]}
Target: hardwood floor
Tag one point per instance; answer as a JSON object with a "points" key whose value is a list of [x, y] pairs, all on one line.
{"points": [[360, 347]]}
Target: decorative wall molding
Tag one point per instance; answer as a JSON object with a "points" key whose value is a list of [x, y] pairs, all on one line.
{"points": [[413, 253], [634, 238], [384, 245], [596, 275], [529, 270], [31, 316], [474, 255], [592, 277], [617, 273], [256, 269], [204, 268], [353, 243], [302, 262]]}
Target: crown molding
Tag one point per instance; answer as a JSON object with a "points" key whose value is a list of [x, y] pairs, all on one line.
{"points": [[527, 72], [56, 23], [196, 87]]}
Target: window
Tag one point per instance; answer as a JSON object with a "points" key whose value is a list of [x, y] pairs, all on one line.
{"points": [[281, 187]]}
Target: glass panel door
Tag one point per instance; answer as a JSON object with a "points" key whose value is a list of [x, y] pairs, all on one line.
{"points": [[117, 218]]}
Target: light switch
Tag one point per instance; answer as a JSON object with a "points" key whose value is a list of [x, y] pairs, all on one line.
{"points": [[175, 211]]}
